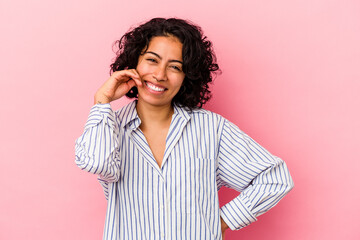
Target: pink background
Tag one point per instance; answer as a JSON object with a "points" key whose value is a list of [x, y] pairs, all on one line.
{"points": [[291, 72]]}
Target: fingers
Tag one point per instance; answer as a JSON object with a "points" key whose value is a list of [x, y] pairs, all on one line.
{"points": [[131, 83], [126, 75], [137, 79], [118, 85]]}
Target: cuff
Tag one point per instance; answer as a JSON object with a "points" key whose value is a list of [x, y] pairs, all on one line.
{"points": [[237, 213], [99, 113]]}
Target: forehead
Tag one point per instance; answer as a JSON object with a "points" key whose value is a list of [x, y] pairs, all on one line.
{"points": [[166, 45]]}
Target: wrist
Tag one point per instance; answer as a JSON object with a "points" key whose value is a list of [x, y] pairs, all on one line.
{"points": [[101, 100]]}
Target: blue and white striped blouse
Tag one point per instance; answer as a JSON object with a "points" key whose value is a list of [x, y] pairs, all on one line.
{"points": [[203, 152]]}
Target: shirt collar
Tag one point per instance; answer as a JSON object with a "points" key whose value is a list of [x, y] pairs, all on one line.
{"points": [[181, 112], [130, 118]]}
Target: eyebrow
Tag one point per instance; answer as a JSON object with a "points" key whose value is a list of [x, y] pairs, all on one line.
{"points": [[157, 55]]}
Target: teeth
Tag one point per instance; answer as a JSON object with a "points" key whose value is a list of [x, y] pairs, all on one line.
{"points": [[155, 88]]}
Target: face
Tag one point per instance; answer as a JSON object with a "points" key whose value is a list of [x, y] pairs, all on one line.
{"points": [[160, 70]]}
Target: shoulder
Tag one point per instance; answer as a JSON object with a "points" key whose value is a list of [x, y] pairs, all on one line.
{"points": [[206, 118], [126, 113], [200, 112], [223, 124], [208, 114]]}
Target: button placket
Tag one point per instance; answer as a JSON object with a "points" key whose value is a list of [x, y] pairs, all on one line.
{"points": [[162, 210]]}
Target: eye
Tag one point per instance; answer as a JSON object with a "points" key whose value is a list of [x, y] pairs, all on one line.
{"points": [[151, 60], [176, 68]]}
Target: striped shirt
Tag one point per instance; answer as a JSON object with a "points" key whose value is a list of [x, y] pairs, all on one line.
{"points": [[178, 200]]}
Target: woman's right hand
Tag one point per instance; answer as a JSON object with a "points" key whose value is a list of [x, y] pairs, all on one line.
{"points": [[117, 86]]}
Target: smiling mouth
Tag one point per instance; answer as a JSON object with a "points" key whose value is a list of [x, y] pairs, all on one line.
{"points": [[155, 88]]}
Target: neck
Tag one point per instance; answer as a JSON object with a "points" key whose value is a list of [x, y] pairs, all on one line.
{"points": [[154, 115]]}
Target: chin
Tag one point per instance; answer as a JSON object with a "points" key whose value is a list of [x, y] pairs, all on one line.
{"points": [[155, 102]]}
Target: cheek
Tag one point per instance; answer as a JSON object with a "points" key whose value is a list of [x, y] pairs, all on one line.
{"points": [[143, 69], [180, 81], [177, 86], [176, 78]]}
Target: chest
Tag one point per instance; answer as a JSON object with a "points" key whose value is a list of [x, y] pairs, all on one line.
{"points": [[156, 140], [159, 148], [194, 138], [186, 177]]}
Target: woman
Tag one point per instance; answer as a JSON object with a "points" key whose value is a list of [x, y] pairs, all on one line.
{"points": [[162, 158]]}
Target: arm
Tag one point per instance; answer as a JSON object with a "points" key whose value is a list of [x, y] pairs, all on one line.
{"points": [[96, 149], [262, 179]]}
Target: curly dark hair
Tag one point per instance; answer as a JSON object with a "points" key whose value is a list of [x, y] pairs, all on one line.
{"points": [[199, 61]]}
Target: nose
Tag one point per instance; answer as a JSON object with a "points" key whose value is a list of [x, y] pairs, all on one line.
{"points": [[160, 73]]}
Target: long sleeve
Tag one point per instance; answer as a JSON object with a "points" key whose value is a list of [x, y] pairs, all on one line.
{"points": [[96, 149], [262, 179]]}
